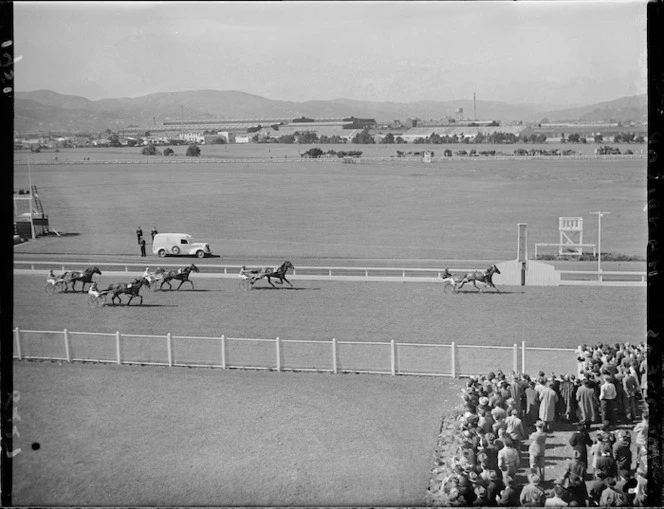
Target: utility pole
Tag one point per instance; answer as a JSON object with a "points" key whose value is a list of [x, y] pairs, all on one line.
{"points": [[474, 107], [599, 241]]}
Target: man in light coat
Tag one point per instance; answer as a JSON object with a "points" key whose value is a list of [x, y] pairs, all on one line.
{"points": [[547, 411]]}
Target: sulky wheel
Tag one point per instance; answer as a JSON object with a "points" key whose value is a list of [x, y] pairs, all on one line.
{"points": [[96, 301], [50, 288], [60, 286], [449, 288], [245, 284]]}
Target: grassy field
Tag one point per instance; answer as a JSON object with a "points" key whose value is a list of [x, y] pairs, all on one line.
{"points": [[132, 436], [450, 209]]}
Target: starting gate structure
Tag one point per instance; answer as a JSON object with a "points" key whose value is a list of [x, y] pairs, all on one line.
{"points": [[29, 218]]}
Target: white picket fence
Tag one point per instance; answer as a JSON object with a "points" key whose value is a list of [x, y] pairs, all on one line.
{"points": [[330, 356]]}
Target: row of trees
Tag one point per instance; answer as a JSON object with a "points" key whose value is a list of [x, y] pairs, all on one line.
{"points": [[598, 138], [193, 150]]}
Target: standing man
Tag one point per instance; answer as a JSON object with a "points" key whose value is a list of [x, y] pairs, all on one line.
{"points": [[153, 233], [588, 404], [607, 396], [139, 235], [141, 242], [547, 411], [537, 449]]}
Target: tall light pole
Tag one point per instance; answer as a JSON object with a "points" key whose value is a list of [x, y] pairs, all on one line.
{"points": [[599, 241]]}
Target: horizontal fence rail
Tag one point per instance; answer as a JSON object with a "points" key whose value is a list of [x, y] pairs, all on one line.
{"points": [[275, 354], [331, 273]]}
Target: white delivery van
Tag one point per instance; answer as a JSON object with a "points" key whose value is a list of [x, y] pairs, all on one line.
{"points": [[178, 244]]}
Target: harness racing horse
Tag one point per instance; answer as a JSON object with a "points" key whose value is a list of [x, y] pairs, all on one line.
{"points": [[84, 277], [132, 289], [482, 277], [279, 273], [181, 275]]}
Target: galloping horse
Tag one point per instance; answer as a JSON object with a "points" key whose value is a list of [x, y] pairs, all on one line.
{"points": [[482, 277], [84, 277], [181, 275], [132, 289]]}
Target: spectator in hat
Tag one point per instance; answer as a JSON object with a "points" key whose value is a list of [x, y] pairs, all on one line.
{"points": [[622, 453], [568, 397], [532, 495], [532, 406], [642, 488], [537, 449], [455, 499], [547, 410], [481, 499], [491, 452], [630, 388], [494, 487], [595, 488], [628, 487], [153, 232], [139, 235], [575, 466], [555, 500], [588, 403], [467, 488], [605, 461], [611, 497], [508, 459], [576, 487], [508, 497], [561, 482], [515, 429], [580, 441], [485, 422]]}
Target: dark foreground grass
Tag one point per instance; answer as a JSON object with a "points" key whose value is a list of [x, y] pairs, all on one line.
{"points": [[121, 435], [373, 311]]}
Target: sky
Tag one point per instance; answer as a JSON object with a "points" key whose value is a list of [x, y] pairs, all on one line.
{"points": [[561, 53]]}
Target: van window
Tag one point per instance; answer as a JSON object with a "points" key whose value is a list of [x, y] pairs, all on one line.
{"points": [[183, 241]]}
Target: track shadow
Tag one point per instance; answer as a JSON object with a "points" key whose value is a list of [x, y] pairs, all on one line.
{"points": [[123, 305], [490, 292], [184, 290], [61, 234], [284, 288]]}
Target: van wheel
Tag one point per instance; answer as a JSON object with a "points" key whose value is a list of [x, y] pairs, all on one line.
{"points": [[162, 252], [176, 250], [200, 253]]}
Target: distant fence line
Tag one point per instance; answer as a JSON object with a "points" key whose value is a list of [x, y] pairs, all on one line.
{"points": [[275, 354], [197, 160]]}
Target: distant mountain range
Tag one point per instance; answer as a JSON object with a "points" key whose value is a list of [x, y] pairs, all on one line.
{"points": [[48, 111]]}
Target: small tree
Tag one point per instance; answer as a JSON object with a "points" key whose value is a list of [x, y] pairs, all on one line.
{"points": [[313, 152], [168, 151], [193, 150], [150, 150]]}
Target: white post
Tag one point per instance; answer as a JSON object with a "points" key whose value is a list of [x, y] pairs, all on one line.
{"points": [[453, 360], [334, 356], [393, 357], [278, 354], [515, 363], [169, 344], [223, 351], [66, 336], [117, 346], [523, 356], [599, 242], [17, 333]]}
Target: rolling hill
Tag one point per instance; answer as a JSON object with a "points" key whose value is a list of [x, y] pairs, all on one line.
{"points": [[48, 111]]}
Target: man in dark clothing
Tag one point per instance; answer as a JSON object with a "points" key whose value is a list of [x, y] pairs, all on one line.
{"points": [[580, 441], [596, 487], [481, 499], [623, 455], [509, 497], [141, 242], [494, 488], [576, 488], [139, 235], [153, 232], [605, 461]]}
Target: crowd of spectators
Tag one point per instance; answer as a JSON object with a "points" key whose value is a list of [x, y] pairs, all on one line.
{"points": [[499, 448]]}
